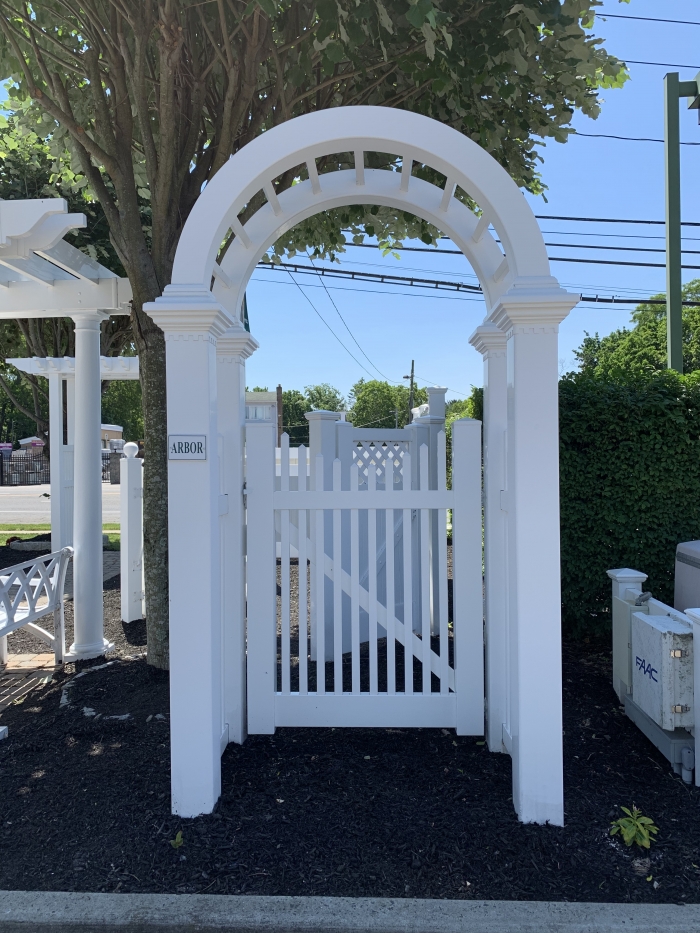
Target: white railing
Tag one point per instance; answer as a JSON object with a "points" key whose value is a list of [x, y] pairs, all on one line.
{"points": [[30, 591]]}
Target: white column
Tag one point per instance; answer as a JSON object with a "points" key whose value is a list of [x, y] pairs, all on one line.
{"points": [[490, 341], [466, 572], [531, 320], [192, 323], [89, 641], [56, 448], [232, 350], [131, 536]]}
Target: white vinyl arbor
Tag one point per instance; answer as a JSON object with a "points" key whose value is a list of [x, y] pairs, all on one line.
{"points": [[201, 321], [41, 275]]}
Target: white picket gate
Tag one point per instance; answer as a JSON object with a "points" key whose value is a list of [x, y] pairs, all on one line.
{"points": [[352, 626]]}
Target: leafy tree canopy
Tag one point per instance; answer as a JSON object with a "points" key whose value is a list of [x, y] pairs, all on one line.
{"points": [[377, 404], [324, 397], [642, 349]]}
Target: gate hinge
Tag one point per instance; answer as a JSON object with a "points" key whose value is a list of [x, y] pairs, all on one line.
{"points": [[679, 653], [680, 709]]}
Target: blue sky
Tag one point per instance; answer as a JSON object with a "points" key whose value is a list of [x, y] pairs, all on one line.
{"points": [[586, 177]]}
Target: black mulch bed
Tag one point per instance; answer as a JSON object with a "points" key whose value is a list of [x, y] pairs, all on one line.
{"points": [[84, 801]]}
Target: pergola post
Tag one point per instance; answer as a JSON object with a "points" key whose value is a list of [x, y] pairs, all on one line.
{"points": [[61, 445], [192, 323], [89, 641], [232, 350], [490, 341], [531, 322]]}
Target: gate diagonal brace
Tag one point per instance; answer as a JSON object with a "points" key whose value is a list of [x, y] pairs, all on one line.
{"points": [[399, 628]]}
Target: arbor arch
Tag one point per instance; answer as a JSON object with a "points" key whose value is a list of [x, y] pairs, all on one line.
{"points": [[359, 129], [200, 315]]}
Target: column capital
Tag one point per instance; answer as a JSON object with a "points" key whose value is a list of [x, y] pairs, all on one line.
{"points": [[236, 342], [532, 305], [189, 310], [88, 317], [489, 340], [322, 415]]}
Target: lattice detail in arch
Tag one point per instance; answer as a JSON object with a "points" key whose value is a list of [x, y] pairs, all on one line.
{"points": [[366, 453]]}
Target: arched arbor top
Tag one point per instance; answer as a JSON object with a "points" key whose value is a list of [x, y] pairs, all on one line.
{"points": [[518, 261]]}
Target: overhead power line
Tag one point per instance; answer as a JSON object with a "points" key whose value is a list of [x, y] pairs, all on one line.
{"points": [[647, 19], [595, 262], [631, 61], [436, 284], [632, 139], [612, 220]]}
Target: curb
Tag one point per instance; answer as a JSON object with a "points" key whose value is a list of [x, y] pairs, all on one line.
{"points": [[53, 912]]}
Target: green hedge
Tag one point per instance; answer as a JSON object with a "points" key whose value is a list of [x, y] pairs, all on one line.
{"points": [[630, 485]]}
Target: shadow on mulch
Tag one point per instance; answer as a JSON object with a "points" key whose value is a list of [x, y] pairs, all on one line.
{"points": [[385, 812]]}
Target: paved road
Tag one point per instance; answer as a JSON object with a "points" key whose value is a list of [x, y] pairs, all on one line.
{"points": [[30, 504]]}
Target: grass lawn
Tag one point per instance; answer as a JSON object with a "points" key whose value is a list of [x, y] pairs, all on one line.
{"points": [[25, 531]]}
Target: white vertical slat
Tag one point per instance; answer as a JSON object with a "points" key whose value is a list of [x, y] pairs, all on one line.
{"points": [[372, 574], [320, 587], [390, 583], [442, 564], [467, 604], [407, 582], [425, 572], [261, 579], [284, 567], [355, 584], [337, 589], [302, 594]]}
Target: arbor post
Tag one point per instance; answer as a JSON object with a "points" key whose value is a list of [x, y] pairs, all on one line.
{"points": [[531, 321], [490, 341], [232, 350], [89, 640], [192, 322]]}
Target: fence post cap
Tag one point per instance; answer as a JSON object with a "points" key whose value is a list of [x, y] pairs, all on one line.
{"points": [[131, 449]]}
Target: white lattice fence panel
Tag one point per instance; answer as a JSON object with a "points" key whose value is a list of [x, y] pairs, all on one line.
{"points": [[379, 455]]}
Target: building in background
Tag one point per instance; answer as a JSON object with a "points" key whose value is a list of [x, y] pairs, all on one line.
{"points": [[110, 432]]}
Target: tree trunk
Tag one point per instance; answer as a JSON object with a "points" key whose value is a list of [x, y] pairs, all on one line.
{"points": [[150, 342]]}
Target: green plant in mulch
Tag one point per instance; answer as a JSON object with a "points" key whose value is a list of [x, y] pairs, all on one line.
{"points": [[635, 828]]}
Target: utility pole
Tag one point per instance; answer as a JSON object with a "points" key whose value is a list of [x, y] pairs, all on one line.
{"points": [[674, 89], [410, 393], [280, 416]]}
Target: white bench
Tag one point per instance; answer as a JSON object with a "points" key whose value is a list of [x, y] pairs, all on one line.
{"points": [[30, 591]]}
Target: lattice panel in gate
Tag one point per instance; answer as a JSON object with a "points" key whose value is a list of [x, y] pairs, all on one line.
{"points": [[378, 455]]}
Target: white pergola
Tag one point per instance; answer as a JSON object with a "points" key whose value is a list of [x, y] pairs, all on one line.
{"points": [[519, 343], [41, 275], [60, 373]]}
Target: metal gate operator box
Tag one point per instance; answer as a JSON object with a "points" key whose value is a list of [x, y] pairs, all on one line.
{"points": [[662, 669]]}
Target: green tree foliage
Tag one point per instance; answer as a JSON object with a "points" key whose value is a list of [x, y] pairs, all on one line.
{"points": [[324, 397], [148, 101], [26, 172], [294, 406], [642, 348], [121, 404], [630, 484], [377, 404]]}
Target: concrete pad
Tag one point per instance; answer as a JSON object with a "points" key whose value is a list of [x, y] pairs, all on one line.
{"points": [[41, 912]]}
